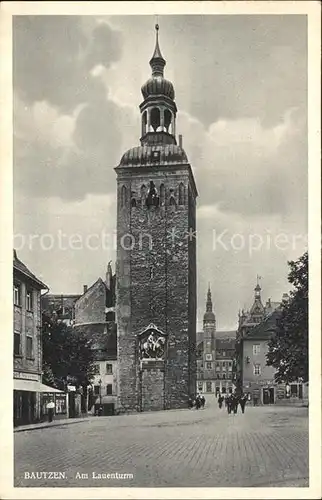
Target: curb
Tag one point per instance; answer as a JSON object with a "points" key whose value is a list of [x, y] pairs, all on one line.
{"points": [[47, 426]]}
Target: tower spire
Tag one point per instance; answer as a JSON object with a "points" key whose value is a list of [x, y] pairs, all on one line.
{"points": [[209, 300], [157, 62]]}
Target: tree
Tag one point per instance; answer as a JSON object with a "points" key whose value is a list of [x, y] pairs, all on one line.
{"points": [[67, 355], [288, 347]]}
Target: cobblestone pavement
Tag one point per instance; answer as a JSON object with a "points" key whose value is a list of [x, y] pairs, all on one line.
{"points": [[267, 446]]}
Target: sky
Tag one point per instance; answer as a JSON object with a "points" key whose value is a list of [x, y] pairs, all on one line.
{"points": [[241, 92]]}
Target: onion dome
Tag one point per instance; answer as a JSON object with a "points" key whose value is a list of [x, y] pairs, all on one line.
{"points": [[157, 84]]}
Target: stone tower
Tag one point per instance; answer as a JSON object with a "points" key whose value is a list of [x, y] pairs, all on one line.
{"points": [[156, 258], [209, 346]]}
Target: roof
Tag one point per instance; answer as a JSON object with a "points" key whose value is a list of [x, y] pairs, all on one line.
{"points": [[103, 335], [140, 156], [226, 334], [228, 343], [266, 328], [18, 265]]}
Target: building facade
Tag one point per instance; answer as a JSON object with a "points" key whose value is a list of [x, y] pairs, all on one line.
{"points": [[27, 345], [225, 356], [254, 376], [94, 317], [215, 355], [156, 258]]}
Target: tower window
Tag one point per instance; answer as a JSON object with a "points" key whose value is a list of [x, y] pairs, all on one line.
{"points": [[152, 198], [123, 196], [155, 118], [144, 122], [172, 201], [181, 194], [133, 202], [156, 156], [167, 119]]}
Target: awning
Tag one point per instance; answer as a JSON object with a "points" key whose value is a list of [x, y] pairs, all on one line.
{"points": [[32, 386]]}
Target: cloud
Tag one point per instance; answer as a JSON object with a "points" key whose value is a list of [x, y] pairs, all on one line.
{"points": [[223, 66], [247, 168], [67, 138], [53, 58]]}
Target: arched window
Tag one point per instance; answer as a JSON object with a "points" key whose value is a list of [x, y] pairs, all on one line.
{"points": [[167, 119], [133, 202], [143, 192], [172, 201], [162, 194], [155, 118], [181, 194], [123, 196]]}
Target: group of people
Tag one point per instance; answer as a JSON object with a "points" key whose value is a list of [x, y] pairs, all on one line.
{"points": [[232, 401], [198, 402]]}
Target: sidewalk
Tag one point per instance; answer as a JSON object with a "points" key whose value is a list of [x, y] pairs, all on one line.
{"points": [[54, 423]]}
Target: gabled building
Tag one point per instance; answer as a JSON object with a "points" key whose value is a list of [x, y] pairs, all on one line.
{"points": [[254, 376], [95, 318], [27, 345]]}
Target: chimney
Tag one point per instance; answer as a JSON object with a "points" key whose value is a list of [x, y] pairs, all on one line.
{"points": [[85, 288], [268, 303], [180, 141]]}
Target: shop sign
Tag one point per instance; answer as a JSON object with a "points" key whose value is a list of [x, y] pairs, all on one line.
{"points": [[26, 376]]}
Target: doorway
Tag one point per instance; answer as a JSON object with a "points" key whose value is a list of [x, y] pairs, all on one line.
{"points": [[268, 396]]}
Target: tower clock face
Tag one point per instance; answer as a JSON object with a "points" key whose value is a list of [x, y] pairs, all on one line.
{"points": [[208, 357]]}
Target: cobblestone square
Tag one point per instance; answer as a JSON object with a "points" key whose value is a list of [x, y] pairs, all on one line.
{"points": [[265, 447]]}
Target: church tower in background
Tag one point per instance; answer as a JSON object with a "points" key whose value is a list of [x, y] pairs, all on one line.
{"points": [[209, 343], [156, 258]]}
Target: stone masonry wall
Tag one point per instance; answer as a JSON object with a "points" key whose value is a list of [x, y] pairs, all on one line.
{"points": [[155, 278]]}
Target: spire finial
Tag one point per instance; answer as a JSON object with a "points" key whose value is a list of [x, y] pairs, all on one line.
{"points": [[157, 62]]}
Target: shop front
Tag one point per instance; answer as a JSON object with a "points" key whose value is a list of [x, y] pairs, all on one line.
{"points": [[27, 398], [60, 401], [261, 393]]}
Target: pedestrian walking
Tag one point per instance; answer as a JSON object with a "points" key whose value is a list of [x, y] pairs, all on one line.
{"points": [[50, 407], [235, 403], [190, 403], [220, 401], [229, 402], [242, 402], [202, 401], [198, 402]]}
